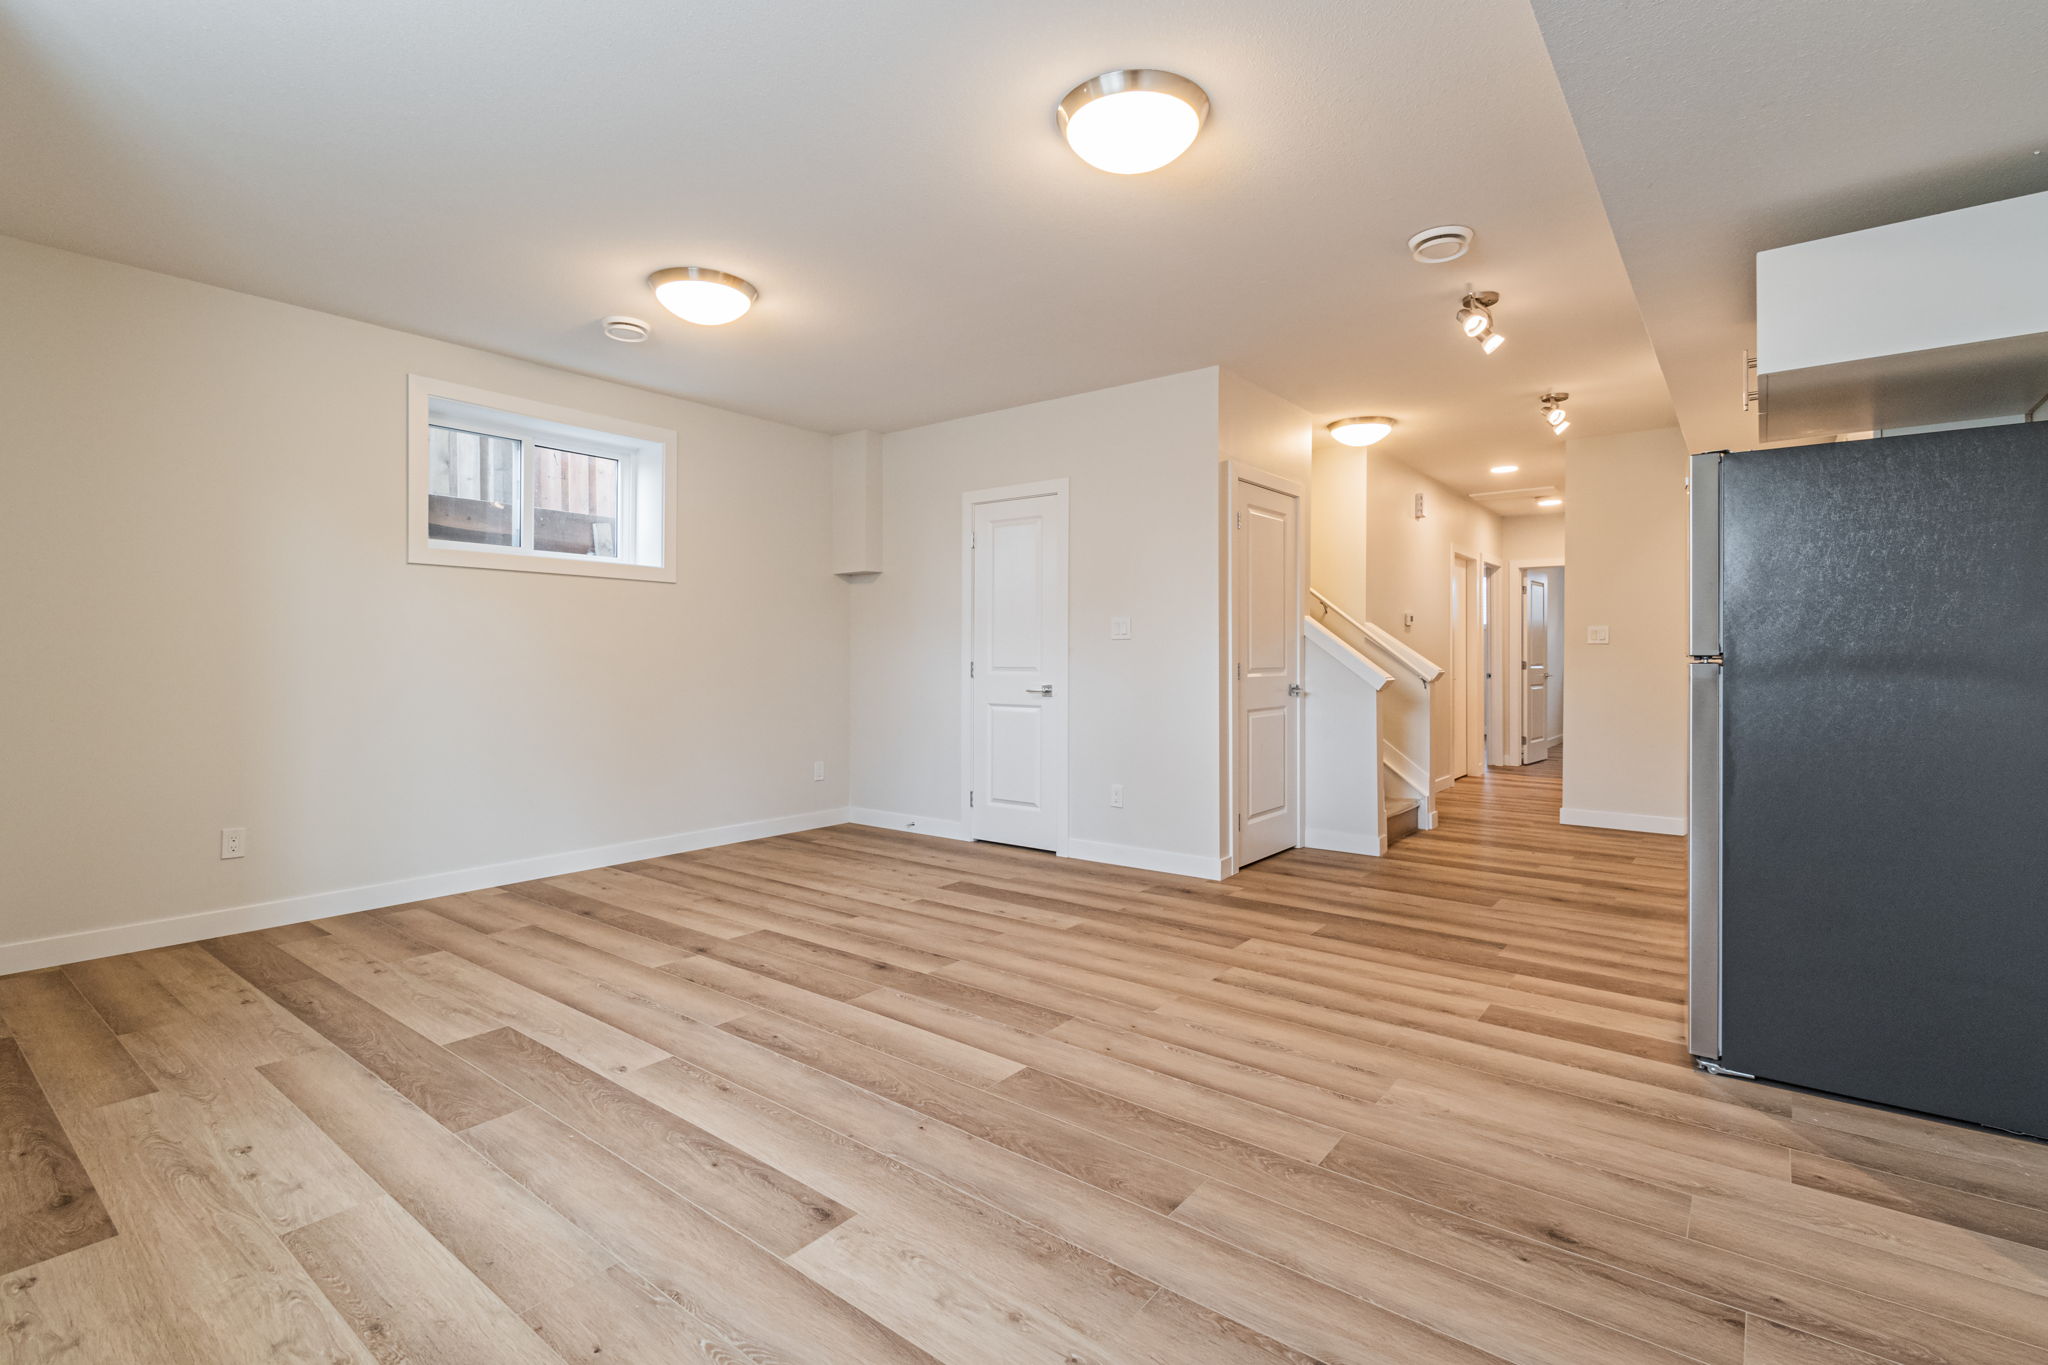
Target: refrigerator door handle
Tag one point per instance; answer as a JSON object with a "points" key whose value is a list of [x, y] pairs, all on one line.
{"points": [[1703, 865]]}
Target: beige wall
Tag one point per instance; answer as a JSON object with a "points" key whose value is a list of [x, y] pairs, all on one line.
{"points": [[1338, 509], [1533, 539], [210, 621], [1625, 707], [1144, 539], [1408, 567]]}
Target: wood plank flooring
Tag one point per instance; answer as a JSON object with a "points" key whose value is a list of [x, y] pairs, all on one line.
{"points": [[858, 1098]]}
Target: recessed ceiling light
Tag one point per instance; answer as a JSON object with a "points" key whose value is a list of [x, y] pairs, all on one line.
{"points": [[619, 327], [1550, 502], [1130, 122], [1434, 246], [1360, 431], [1504, 468], [706, 297]]}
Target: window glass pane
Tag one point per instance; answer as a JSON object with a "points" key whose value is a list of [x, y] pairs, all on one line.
{"points": [[575, 503], [473, 487]]}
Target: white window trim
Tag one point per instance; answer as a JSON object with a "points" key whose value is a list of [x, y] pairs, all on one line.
{"points": [[421, 549]]}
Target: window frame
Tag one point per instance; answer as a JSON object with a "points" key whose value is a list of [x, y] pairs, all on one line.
{"points": [[647, 481]]}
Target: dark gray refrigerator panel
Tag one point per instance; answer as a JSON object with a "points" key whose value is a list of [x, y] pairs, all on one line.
{"points": [[1884, 812]]}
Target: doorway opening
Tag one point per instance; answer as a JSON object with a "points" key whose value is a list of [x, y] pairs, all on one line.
{"points": [[1469, 670], [1536, 712]]}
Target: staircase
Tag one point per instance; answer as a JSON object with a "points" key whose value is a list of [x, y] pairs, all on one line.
{"points": [[1368, 725]]}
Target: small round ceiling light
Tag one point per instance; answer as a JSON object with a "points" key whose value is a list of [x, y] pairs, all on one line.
{"points": [[1130, 122], [619, 327], [1360, 431], [709, 298], [1438, 245]]}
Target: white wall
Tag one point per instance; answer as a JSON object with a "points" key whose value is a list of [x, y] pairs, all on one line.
{"points": [[209, 621], [1535, 539], [1408, 569], [1625, 709], [1337, 524], [1144, 532]]}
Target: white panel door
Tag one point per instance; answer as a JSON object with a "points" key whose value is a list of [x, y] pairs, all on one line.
{"points": [[1266, 614], [1017, 785], [1535, 670]]}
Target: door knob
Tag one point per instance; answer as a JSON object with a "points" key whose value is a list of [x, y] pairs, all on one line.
{"points": [[1294, 690], [1044, 691]]}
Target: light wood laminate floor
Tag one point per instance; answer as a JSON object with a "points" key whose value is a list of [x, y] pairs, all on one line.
{"points": [[858, 1098]]}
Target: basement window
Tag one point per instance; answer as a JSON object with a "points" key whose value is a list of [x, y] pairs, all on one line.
{"points": [[498, 482]]}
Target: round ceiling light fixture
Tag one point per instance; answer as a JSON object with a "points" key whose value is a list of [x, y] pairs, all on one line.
{"points": [[619, 327], [1550, 502], [1437, 245], [1504, 469], [1130, 122], [1360, 431], [709, 298]]}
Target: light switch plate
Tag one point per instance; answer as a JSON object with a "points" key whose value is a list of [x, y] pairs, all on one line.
{"points": [[1596, 635], [1119, 627]]}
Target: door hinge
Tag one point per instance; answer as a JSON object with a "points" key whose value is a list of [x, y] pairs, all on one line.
{"points": [[1240, 672], [970, 668], [1240, 820], [1240, 521], [970, 800]]}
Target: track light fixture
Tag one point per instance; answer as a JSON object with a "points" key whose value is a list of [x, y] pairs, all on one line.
{"points": [[1475, 319], [1553, 411]]}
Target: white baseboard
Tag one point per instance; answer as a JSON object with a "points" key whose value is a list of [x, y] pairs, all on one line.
{"points": [[29, 954], [915, 824], [1621, 819], [1149, 859], [1338, 841]]}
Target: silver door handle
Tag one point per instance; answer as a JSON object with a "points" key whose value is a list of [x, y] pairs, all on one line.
{"points": [[1044, 691], [1294, 690]]}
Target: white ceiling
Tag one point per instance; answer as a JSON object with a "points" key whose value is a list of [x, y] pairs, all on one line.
{"points": [[1720, 130], [887, 173]]}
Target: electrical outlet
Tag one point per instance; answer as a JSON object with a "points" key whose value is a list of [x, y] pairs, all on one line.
{"points": [[232, 841], [818, 771], [1116, 795]]}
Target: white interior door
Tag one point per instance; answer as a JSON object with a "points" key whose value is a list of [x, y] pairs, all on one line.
{"points": [[1266, 598], [1017, 723], [1535, 669]]}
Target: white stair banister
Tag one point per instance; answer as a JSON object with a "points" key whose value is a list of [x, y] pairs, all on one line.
{"points": [[1407, 716]]}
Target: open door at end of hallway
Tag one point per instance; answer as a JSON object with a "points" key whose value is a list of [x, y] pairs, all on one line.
{"points": [[1535, 669]]}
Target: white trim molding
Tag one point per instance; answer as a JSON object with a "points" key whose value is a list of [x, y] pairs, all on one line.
{"points": [[58, 949], [938, 826], [1148, 859], [1337, 841], [1621, 819]]}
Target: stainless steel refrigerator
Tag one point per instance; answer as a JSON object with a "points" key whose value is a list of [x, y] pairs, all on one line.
{"points": [[1869, 805]]}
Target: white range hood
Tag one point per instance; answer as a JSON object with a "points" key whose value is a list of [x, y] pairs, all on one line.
{"points": [[1941, 319]]}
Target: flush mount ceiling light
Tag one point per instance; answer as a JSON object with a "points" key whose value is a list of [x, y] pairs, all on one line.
{"points": [[1130, 122], [1553, 411], [706, 297], [1504, 469], [1475, 319], [1550, 502], [1360, 431], [1437, 245], [619, 327]]}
